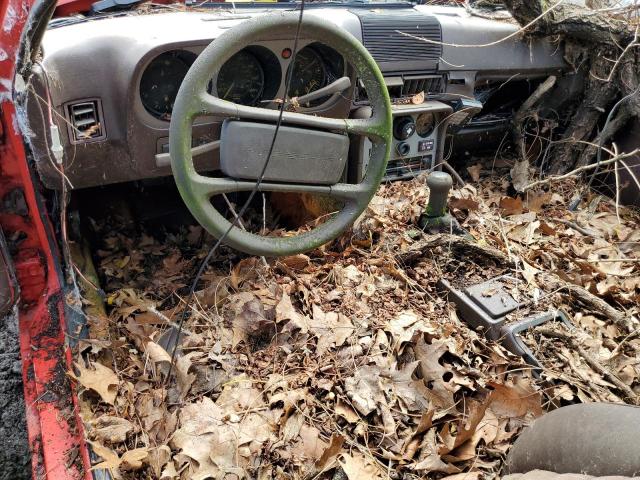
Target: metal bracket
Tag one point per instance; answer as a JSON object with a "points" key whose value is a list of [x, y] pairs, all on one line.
{"points": [[485, 306], [512, 340]]}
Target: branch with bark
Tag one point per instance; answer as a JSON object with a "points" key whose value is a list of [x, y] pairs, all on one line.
{"points": [[602, 44]]}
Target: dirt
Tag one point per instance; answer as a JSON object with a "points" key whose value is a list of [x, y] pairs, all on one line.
{"points": [[14, 450]]}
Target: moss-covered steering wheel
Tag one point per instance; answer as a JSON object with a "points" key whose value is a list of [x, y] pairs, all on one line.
{"points": [[193, 100]]}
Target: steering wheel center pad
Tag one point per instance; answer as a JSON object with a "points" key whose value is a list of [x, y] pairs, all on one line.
{"points": [[299, 155]]}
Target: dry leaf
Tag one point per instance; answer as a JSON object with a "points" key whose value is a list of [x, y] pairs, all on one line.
{"points": [[511, 206], [363, 389], [110, 429], [357, 467], [286, 311], [403, 327], [249, 319], [158, 458], [429, 460], [346, 412], [156, 353], [433, 372], [465, 429], [98, 378], [169, 472], [110, 459], [332, 329], [296, 262], [465, 204], [186, 379], [474, 171], [535, 200], [331, 453], [133, 459], [520, 175], [515, 400], [464, 476], [312, 445], [418, 98]]}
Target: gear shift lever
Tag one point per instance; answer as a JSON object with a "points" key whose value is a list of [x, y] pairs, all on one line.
{"points": [[439, 184], [435, 218]]}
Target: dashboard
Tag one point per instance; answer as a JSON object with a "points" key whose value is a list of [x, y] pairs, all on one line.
{"points": [[114, 81]]}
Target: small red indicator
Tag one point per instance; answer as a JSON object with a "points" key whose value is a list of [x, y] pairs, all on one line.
{"points": [[286, 53]]}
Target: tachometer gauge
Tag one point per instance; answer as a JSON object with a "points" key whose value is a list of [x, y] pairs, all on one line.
{"points": [[309, 73], [425, 124], [241, 79]]}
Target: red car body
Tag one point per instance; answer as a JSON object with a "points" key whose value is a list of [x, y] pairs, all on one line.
{"points": [[55, 430]]}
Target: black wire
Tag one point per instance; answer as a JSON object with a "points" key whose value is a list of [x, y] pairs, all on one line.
{"points": [[574, 205], [244, 208]]}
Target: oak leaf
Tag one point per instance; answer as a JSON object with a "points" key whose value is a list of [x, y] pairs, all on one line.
{"points": [[98, 378]]}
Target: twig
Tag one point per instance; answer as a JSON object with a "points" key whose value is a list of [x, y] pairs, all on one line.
{"points": [[233, 212], [166, 320], [454, 242], [626, 322], [453, 173], [616, 174], [622, 342], [576, 227], [631, 45], [614, 260], [592, 362], [524, 112], [520, 30], [573, 173]]}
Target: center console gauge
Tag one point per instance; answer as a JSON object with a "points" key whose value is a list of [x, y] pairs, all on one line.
{"points": [[425, 124], [403, 127]]}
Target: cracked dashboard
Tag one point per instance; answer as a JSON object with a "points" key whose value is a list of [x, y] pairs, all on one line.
{"points": [[112, 81]]}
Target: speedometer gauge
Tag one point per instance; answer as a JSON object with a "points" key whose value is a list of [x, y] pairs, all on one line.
{"points": [[241, 79], [425, 124], [309, 73], [161, 81]]}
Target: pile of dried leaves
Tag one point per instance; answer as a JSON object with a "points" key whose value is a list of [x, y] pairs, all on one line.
{"points": [[348, 362]]}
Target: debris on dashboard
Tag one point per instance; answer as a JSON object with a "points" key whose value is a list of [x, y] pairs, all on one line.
{"points": [[348, 362]]}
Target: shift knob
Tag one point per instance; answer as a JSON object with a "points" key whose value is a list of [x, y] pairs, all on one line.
{"points": [[439, 184]]}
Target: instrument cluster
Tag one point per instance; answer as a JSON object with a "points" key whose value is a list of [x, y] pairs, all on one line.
{"points": [[254, 76]]}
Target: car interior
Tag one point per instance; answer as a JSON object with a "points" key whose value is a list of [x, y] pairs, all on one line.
{"points": [[172, 116]]}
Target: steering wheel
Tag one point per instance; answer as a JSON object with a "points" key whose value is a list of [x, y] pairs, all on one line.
{"points": [[193, 100]]}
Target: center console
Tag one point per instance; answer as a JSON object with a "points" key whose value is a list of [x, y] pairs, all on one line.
{"points": [[418, 133]]}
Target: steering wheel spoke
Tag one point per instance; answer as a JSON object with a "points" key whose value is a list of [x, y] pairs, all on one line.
{"points": [[207, 104], [206, 187], [351, 193], [211, 105], [372, 127]]}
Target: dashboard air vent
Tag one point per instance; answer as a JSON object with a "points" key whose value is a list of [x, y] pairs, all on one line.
{"points": [[385, 35], [86, 121], [414, 85]]}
